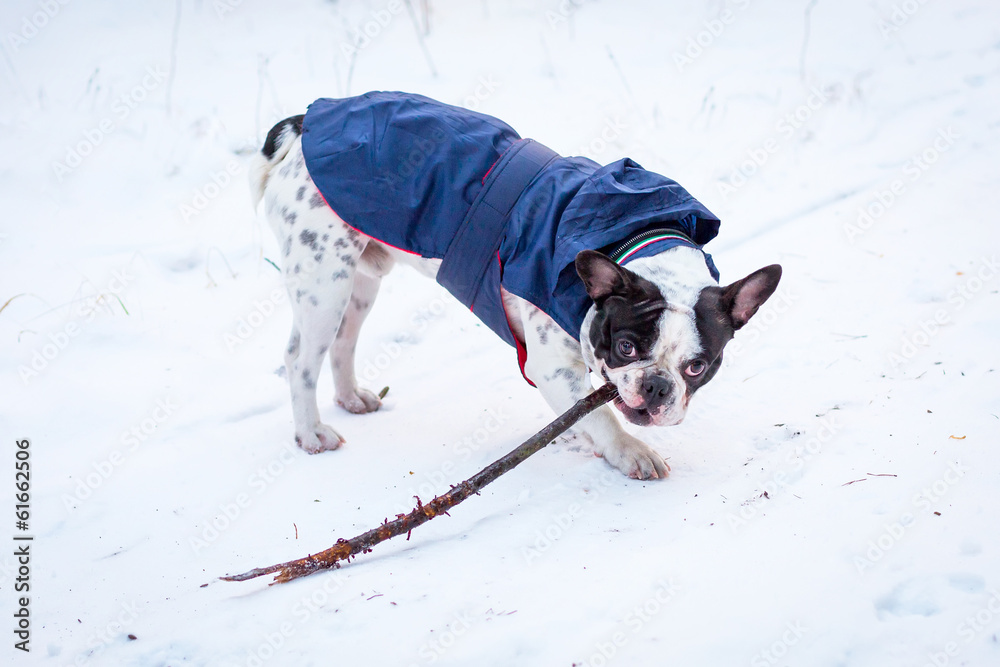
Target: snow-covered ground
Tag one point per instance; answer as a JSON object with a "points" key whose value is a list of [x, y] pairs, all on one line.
{"points": [[835, 493]]}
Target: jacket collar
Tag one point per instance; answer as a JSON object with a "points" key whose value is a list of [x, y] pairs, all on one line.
{"points": [[647, 242]]}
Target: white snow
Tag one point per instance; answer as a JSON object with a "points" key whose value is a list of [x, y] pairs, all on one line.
{"points": [[863, 399]]}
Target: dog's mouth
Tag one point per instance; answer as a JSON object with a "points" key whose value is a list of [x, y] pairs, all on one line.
{"points": [[638, 416]]}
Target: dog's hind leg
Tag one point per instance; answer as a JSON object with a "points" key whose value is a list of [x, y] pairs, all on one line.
{"points": [[321, 255], [348, 395], [322, 307], [375, 262], [318, 309], [313, 436]]}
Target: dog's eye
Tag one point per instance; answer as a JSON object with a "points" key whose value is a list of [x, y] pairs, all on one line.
{"points": [[626, 348], [696, 368]]}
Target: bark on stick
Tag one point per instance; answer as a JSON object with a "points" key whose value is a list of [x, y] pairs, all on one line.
{"points": [[344, 550]]}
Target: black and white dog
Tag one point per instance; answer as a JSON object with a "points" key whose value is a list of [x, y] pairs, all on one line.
{"points": [[656, 329]]}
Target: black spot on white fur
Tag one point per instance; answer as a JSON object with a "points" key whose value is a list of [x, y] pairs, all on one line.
{"points": [[307, 380], [308, 238], [293, 345], [543, 335]]}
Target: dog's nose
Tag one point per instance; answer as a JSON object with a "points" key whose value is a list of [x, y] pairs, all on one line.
{"points": [[656, 389]]}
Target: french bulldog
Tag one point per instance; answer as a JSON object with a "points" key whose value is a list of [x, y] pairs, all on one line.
{"points": [[583, 268]]}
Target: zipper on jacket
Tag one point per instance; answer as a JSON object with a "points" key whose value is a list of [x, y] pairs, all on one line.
{"points": [[642, 236]]}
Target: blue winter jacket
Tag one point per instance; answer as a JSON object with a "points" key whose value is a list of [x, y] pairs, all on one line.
{"points": [[406, 170]]}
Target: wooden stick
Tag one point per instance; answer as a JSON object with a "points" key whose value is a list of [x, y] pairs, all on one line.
{"points": [[344, 550]]}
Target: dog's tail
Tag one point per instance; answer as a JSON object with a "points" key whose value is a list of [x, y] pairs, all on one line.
{"points": [[279, 141]]}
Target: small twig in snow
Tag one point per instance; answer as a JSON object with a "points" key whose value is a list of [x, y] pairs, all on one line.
{"points": [[345, 550], [261, 64], [7, 302], [12, 72], [420, 37], [805, 40], [621, 75], [208, 257], [425, 9], [549, 67], [173, 55]]}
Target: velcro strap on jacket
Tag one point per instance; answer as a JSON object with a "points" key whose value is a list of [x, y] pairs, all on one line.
{"points": [[478, 239]]}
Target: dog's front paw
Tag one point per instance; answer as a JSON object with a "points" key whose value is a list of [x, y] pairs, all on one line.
{"points": [[635, 458], [359, 401], [321, 439]]}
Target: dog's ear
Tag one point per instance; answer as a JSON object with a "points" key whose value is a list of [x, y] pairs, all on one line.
{"points": [[744, 297], [601, 275]]}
